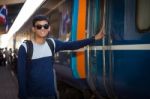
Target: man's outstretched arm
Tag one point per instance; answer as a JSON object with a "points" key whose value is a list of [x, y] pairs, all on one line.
{"points": [[73, 45]]}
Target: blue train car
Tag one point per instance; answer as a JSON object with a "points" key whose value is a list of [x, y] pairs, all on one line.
{"points": [[118, 66]]}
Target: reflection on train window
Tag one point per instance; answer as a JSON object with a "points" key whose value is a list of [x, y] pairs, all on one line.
{"points": [[94, 16], [60, 20], [143, 15]]}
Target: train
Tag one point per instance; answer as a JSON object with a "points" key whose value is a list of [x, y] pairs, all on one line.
{"points": [[116, 67]]}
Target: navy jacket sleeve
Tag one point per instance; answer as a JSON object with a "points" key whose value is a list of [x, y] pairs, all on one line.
{"points": [[72, 45], [21, 71]]}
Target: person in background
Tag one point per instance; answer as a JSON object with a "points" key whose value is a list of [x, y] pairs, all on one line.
{"points": [[39, 80], [1, 57], [6, 52], [10, 56]]}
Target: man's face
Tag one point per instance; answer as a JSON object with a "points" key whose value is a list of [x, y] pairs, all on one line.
{"points": [[41, 29]]}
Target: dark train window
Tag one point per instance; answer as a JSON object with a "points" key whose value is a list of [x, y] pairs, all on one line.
{"points": [[143, 15], [94, 16], [60, 20]]}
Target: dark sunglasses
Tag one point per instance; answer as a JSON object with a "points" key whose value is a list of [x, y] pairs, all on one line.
{"points": [[45, 26]]}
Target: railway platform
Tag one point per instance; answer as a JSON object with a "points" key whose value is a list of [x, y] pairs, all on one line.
{"points": [[8, 84]]}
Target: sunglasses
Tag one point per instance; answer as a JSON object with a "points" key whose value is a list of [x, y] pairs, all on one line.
{"points": [[45, 26]]}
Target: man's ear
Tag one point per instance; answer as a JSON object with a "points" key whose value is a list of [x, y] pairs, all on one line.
{"points": [[33, 29], [49, 28]]}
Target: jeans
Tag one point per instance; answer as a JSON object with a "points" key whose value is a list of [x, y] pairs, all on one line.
{"points": [[50, 97]]}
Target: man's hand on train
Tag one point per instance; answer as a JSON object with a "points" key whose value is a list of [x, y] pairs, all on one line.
{"points": [[99, 35]]}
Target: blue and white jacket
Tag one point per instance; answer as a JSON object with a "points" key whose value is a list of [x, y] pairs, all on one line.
{"points": [[38, 78]]}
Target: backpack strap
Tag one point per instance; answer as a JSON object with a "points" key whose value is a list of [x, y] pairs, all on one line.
{"points": [[29, 45], [51, 45]]}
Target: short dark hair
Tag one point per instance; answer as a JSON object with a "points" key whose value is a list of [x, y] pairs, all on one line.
{"points": [[39, 18]]}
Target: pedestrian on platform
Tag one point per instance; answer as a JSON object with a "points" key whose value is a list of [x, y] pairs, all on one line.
{"points": [[36, 78]]}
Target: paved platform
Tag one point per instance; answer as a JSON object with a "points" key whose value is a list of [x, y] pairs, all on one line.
{"points": [[8, 84]]}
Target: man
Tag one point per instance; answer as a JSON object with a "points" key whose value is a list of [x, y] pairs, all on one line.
{"points": [[38, 81]]}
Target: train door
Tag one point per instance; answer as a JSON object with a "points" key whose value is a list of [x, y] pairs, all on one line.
{"points": [[99, 74]]}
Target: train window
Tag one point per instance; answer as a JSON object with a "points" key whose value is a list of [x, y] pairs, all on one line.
{"points": [[61, 25], [60, 20], [54, 21], [143, 15], [94, 16]]}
